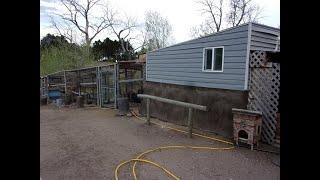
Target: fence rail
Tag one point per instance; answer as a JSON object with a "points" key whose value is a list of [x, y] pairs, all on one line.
{"points": [[190, 106]]}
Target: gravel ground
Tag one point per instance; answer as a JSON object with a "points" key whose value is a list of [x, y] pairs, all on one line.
{"points": [[89, 143]]}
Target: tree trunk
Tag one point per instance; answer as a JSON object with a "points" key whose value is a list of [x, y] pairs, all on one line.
{"points": [[88, 41]]}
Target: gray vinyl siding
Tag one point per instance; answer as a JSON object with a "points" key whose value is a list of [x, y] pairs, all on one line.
{"points": [[263, 38], [182, 63]]}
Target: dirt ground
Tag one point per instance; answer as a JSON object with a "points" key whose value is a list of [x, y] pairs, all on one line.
{"points": [[89, 143]]}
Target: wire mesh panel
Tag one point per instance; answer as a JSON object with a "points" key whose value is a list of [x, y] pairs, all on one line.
{"points": [[43, 86], [107, 89], [264, 86]]}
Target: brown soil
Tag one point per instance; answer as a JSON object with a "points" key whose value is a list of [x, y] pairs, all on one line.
{"points": [[89, 143]]}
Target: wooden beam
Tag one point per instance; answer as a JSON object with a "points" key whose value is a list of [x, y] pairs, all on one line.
{"points": [[170, 101]]}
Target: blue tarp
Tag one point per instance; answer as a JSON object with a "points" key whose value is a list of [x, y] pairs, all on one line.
{"points": [[54, 94]]}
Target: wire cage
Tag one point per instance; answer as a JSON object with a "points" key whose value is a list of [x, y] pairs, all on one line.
{"points": [[98, 85]]}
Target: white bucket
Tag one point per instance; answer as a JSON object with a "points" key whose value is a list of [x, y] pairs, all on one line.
{"points": [[59, 102]]}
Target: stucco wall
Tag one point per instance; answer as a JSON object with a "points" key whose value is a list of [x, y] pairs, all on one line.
{"points": [[219, 102]]}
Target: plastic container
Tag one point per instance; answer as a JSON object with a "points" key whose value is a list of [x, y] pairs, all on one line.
{"points": [[123, 105]]}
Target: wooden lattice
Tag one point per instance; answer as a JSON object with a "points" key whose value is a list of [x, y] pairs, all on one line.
{"points": [[264, 86]]}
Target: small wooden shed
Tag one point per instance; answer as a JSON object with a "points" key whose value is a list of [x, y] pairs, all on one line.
{"points": [[238, 67]]}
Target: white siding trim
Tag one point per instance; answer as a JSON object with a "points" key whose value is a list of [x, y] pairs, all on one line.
{"points": [[248, 57], [146, 66]]}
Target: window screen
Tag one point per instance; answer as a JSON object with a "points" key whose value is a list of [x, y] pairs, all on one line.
{"points": [[208, 59], [217, 59]]}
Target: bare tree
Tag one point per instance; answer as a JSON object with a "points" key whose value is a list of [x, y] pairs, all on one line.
{"points": [[242, 11], [122, 29], [79, 14], [64, 30], [157, 29], [215, 11], [202, 30]]}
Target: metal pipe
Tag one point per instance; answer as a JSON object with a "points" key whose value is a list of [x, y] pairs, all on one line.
{"points": [[115, 85], [85, 68], [179, 103], [97, 85]]}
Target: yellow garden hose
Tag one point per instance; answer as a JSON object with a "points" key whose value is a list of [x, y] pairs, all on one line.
{"points": [[145, 161], [140, 156]]}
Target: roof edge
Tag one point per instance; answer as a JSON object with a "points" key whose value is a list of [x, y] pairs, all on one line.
{"points": [[216, 33], [259, 24], [227, 29]]}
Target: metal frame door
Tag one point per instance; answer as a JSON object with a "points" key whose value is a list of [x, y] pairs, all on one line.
{"points": [[106, 86]]}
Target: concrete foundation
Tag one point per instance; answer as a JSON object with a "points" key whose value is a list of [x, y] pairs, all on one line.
{"points": [[217, 119]]}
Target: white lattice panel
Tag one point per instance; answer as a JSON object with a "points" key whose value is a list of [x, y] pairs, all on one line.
{"points": [[264, 86]]}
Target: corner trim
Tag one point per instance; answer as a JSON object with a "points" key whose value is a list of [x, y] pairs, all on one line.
{"points": [[248, 57], [146, 68]]}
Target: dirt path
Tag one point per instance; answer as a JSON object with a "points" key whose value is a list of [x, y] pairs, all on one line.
{"points": [[89, 143]]}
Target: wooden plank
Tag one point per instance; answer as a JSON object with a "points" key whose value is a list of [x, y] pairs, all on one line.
{"points": [[199, 75], [198, 84], [148, 110], [190, 123], [194, 79], [175, 102]]}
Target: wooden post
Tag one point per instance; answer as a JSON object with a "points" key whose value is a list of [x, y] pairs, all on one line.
{"points": [[115, 81], [48, 88], [141, 86], [190, 124], [125, 77], [65, 84], [148, 111], [79, 81]]}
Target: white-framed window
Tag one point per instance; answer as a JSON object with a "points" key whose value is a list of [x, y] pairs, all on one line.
{"points": [[213, 59]]}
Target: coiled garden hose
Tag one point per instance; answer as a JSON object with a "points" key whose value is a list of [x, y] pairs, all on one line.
{"points": [[139, 158]]}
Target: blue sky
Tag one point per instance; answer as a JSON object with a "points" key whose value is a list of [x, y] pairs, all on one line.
{"points": [[182, 14]]}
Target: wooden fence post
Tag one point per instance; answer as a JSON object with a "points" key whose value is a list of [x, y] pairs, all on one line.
{"points": [[190, 123], [148, 111]]}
